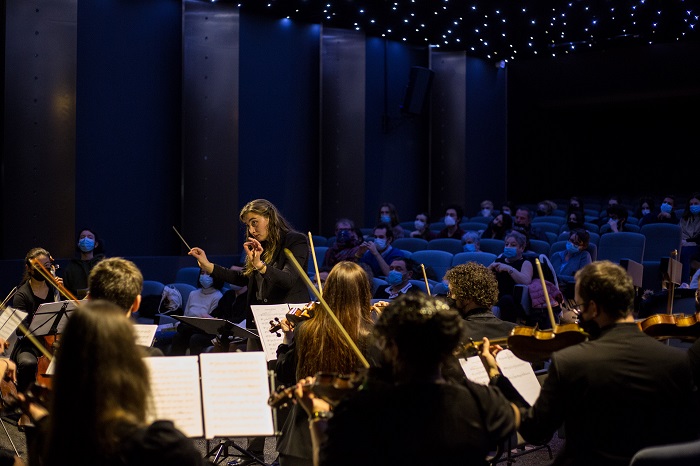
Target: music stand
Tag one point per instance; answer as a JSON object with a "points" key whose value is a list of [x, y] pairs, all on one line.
{"points": [[224, 329], [49, 318]]}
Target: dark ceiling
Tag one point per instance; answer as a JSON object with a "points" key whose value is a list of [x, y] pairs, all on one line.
{"points": [[500, 30]]}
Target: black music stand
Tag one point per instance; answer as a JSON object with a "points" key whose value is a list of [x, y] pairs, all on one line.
{"points": [[225, 330], [51, 318]]}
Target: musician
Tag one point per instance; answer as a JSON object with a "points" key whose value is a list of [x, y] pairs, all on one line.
{"points": [[33, 292], [474, 290], [694, 350], [8, 372], [318, 344], [270, 277], [616, 393], [120, 282], [416, 418], [100, 400]]}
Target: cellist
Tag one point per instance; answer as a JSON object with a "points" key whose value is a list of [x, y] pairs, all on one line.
{"points": [[33, 292], [616, 393]]}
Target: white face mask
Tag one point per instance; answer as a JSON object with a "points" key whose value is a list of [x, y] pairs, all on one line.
{"points": [[449, 221], [486, 212], [419, 225]]}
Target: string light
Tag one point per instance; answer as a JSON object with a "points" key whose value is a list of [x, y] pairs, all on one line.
{"points": [[502, 27]]}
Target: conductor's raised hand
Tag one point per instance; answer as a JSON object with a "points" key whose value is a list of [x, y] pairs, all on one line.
{"points": [[253, 250], [202, 261]]}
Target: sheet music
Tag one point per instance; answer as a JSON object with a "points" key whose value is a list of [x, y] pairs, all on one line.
{"points": [[519, 373], [176, 392], [235, 391], [263, 314], [228, 399], [9, 320], [145, 334]]}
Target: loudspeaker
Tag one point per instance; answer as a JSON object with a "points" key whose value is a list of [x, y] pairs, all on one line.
{"points": [[419, 81]]}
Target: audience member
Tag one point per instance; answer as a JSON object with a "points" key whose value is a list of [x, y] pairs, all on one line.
{"points": [[474, 290], [575, 219], [538, 315], [545, 208], [319, 345], [603, 219], [690, 222], [90, 248], [595, 388], [472, 241], [388, 214], [120, 282], [486, 209], [100, 400], [665, 214], [200, 303], [344, 248], [575, 204], [507, 208], [522, 222], [378, 253], [422, 227], [511, 268], [399, 279], [414, 417], [453, 216], [498, 227], [617, 220], [567, 262]]}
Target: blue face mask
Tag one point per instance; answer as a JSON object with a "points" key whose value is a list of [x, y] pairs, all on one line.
{"points": [[449, 221], [510, 251], [666, 207], [469, 247], [206, 281], [380, 243], [385, 219], [571, 247], [695, 209], [394, 278], [343, 237], [646, 211], [86, 244]]}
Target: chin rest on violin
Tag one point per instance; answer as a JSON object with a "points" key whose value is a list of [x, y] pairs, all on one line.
{"points": [[294, 316]]}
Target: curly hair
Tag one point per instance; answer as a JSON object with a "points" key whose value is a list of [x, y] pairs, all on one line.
{"points": [[277, 226], [411, 318], [473, 282]]}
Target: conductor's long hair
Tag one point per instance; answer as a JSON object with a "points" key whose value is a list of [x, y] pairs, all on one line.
{"points": [[277, 227], [100, 387], [321, 346]]}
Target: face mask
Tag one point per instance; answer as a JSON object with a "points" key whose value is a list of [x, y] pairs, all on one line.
{"points": [[646, 211], [343, 237], [695, 209], [385, 219], [36, 275], [510, 251], [469, 247], [572, 225], [665, 207], [86, 244], [505, 211], [486, 212], [419, 225], [571, 247], [394, 278], [449, 221], [380, 243], [206, 281]]}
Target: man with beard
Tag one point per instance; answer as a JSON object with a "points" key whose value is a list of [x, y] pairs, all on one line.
{"points": [[615, 393]]}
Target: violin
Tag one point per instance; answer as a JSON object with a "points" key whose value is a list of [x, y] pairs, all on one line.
{"points": [[667, 326], [330, 386], [532, 344], [294, 316]]}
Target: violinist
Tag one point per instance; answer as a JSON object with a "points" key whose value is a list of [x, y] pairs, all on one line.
{"points": [[98, 410], [120, 282], [317, 344], [8, 374], [616, 393], [34, 292], [414, 417], [694, 350]]}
